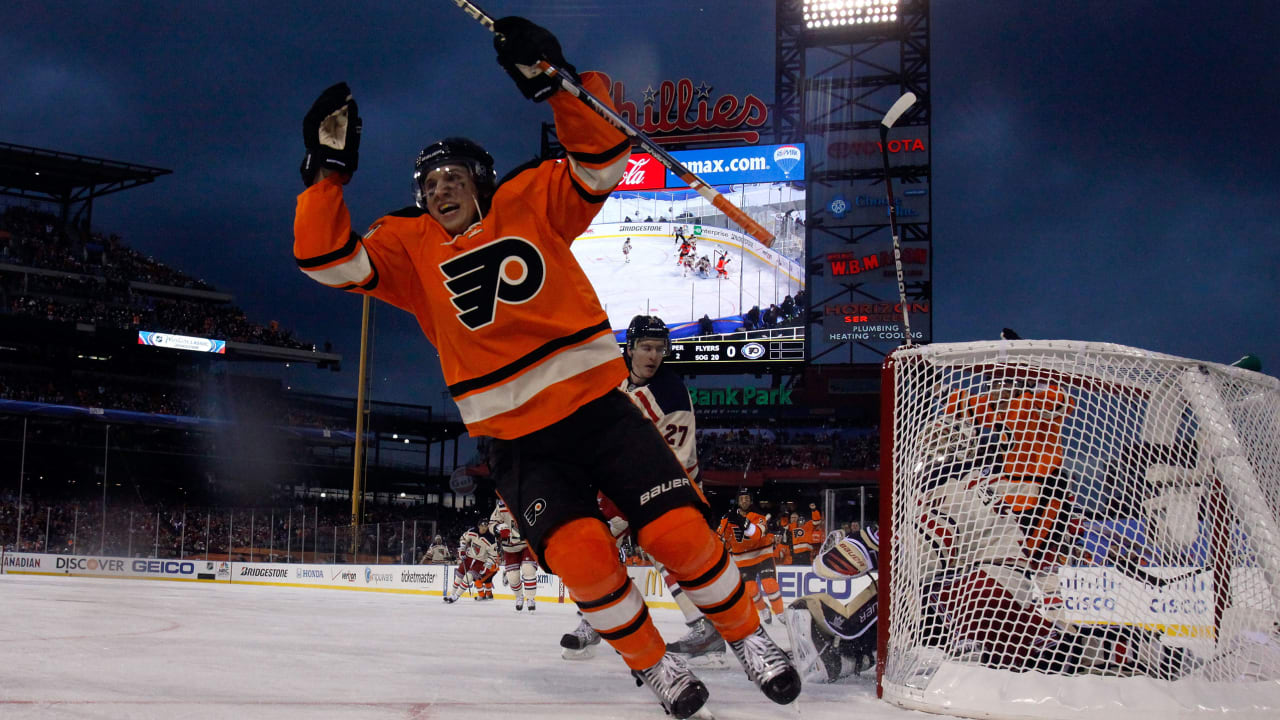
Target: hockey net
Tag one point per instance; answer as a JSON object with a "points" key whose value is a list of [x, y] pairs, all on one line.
{"points": [[1078, 527]]}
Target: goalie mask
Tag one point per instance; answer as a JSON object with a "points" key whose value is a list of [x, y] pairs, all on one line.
{"points": [[947, 440], [457, 151]]}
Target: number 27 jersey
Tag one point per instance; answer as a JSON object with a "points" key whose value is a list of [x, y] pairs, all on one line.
{"points": [[665, 401]]}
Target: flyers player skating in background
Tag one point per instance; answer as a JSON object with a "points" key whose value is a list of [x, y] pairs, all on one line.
{"points": [[686, 250], [532, 363], [722, 262], [746, 533], [626, 250]]}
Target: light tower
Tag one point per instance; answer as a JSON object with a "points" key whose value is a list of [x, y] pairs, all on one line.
{"points": [[840, 65]]}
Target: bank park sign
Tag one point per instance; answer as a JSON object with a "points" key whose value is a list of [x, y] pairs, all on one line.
{"points": [[740, 397]]}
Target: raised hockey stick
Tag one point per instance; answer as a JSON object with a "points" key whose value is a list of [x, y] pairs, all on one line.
{"points": [[900, 106], [710, 194]]}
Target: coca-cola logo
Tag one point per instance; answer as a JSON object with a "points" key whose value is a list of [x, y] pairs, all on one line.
{"points": [[643, 172]]}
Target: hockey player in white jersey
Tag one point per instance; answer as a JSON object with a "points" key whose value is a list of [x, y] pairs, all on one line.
{"points": [[477, 554], [438, 552], [519, 567], [662, 397]]}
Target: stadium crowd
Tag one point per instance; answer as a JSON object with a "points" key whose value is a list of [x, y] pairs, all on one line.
{"points": [[296, 531], [98, 285], [789, 312], [87, 392], [314, 531], [800, 449]]}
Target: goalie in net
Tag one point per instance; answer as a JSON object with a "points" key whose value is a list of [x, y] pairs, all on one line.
{"points": [[994, 524]]}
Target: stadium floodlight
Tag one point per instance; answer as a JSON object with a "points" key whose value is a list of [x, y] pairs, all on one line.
{"points": [[824, 14]]}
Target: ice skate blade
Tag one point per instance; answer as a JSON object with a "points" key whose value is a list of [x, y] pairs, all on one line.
{"points": [[709, 661], [585, 653]]}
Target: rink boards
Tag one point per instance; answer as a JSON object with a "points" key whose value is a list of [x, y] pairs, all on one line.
{"points": [[794, 581]]}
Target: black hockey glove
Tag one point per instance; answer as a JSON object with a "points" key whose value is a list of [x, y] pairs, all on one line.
{"points": [[521, 44], [331, 133]]}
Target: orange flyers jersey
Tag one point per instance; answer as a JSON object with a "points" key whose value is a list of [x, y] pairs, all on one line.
{"points": [[1031, 424], [805, 537], [748, 539], [522, 337]]}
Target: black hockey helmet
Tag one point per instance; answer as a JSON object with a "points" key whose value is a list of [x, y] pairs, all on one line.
{"points": [[648, 327], [457, 151]]}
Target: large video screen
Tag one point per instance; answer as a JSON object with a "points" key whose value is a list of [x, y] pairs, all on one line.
{"points": [[659, 248]]}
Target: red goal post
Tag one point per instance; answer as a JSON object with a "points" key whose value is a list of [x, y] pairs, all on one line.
{"points": [[1077, 528]]}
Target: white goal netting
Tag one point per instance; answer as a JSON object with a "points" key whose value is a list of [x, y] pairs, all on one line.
{"points": [[1079, 527]]}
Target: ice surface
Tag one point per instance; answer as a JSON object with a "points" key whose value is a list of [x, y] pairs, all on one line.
{"points": [[653, 284], [151, 650]]}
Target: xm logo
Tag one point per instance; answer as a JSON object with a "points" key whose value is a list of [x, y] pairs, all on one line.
{"points": [[509, 270]]}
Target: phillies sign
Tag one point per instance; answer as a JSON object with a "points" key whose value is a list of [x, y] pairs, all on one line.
{"points": [[680, 110]]}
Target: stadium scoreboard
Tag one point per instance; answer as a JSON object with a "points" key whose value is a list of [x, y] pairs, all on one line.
{"points": [[762, 351]]}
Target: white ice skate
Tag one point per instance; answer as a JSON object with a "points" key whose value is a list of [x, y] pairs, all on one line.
{"points": [[702, 646], [580, 644]]}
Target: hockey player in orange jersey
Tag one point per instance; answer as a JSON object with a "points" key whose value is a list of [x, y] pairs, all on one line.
{"points": [[745, 531], [530, 360], [1025, 415]]}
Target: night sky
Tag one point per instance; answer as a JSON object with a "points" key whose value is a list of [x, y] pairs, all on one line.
{"points": [[1101, 170]]}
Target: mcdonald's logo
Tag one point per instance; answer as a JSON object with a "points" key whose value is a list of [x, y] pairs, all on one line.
{"points": [[653, 583]]}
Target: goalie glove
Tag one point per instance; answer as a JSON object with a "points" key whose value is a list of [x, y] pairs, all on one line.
{"points": [[848, 558], [520, 45], [331, 134]]}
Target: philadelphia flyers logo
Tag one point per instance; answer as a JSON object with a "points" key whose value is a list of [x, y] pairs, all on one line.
{"points": [[535, 509], [509, 270]]}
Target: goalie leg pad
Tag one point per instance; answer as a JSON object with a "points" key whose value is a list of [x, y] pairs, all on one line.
{"points": [[812, 649], [985, 606]]}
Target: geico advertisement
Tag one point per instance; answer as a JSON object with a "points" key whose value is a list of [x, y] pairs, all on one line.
{"points": [[796, 581], [129, 567]]}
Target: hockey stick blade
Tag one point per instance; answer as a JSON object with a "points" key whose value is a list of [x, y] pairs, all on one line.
{"points": [[903, 104]]}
